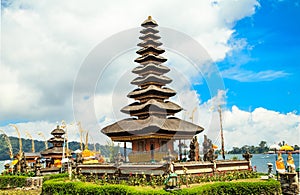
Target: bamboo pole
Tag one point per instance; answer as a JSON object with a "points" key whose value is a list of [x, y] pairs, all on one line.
{"points": [[222, 136], [19, 135]]}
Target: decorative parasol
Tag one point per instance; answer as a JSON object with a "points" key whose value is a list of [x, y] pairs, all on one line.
{"points": [[77, 151], [274, 147], [87, 153], [14, 162], [64, 160], [286, 148]]}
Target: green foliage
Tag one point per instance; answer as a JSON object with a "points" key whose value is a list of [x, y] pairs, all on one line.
{"points": [[234, 158], [60, 186], [261, 148], [107, 151], [153, 181], [247, 188], [12, 181], [56, 176], [4, 151], [220, 176], [9, 173]]}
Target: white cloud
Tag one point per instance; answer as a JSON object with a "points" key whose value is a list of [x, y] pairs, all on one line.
{"points": [[241, 75], [44, 44], [249, 128]]}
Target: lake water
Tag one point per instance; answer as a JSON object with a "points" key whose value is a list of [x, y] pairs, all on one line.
{"points": [[261, 160], [258, 160]]}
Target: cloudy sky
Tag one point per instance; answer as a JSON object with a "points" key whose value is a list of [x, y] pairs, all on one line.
{"points": [[253, 48]]}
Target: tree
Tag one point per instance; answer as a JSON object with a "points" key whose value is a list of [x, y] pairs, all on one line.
{"points": [[261, 148], [112, 150]]}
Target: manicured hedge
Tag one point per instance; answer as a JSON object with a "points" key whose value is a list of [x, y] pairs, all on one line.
{"points": [[247, 188], [59, 186], [12, 181]]}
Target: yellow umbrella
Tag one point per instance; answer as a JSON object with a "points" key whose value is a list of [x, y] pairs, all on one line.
{"points": [[14, 162], [287, 148], [57, 163], [87, 153], [214, 146]]}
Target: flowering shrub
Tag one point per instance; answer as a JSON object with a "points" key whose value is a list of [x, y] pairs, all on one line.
{"points": [[218, 176]]}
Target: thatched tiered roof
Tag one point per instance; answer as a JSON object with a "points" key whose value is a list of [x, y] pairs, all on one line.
{"points": [[152, 107], [57, 141], [151, 127]]}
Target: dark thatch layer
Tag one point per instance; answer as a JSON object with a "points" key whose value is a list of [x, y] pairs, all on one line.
{"points": [[149, 36], [167, 106], [158, 125], [149, 42], [57, 131], [161, 80], [150, 48], [152, 88], [149, 30], [161, 69]]}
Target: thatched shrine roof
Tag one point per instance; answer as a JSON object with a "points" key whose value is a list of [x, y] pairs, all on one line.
{"points": [[154, 104], [136, 128], [149, 42], [149, 30], [149, 36], [149, 68], [150, 48], [164, 91], [151, 78], [151, 106], [149, 22], [57, 131]]}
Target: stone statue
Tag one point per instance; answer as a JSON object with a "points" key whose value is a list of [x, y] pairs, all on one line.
{"points": [[208, 151], [210, 156], [37, 166], [169, 162], [192, 150], [207, 144], [196, 144], [290, 163], [79, 158], [247, 155], [280, 164]]}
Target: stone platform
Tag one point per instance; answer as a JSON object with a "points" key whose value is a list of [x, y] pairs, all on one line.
{"points": [[160, 168]]}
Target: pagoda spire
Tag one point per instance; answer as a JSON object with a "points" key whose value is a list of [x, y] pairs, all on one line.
{"points": [[152, 129], [151, 95]]}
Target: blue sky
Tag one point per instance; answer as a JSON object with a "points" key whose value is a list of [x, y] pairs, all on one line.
{"points": [[254, 44], [272, 35]]}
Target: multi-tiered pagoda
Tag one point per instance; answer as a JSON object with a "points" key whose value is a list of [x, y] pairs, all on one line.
{"points": [[56, 151], [152, 128]]}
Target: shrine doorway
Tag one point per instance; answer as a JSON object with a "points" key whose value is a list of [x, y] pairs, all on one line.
{"points": [[152, 151]]}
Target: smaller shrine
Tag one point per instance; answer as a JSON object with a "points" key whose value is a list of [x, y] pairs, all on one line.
{"points": [[54, 154]]}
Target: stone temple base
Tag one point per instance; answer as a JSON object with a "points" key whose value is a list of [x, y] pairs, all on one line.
{"points": [[160, 168], [289, 183]]}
